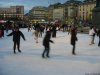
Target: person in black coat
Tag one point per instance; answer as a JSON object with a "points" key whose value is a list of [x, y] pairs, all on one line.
{"points": [[73, 38], [46, 44], [16, 38], [98, 34], [54, 31]]}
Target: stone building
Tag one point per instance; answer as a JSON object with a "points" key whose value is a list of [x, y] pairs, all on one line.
{"points": [[38, 13], [85, 10], [12, 13]]}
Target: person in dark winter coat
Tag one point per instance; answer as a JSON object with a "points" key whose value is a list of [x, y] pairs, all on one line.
{"points": [[16, 38], [73, 38], [98, 34], [37, 26], [2, 31], [54, 31], [46, 44]]}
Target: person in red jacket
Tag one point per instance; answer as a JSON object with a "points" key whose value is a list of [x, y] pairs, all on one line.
{"points": [[16, 38]]}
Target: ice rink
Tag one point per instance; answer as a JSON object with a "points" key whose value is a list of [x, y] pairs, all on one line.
{"points": [[61, 61]]}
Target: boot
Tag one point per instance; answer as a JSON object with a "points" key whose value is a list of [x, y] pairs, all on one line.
{"points": [[14, 52], [19, 50], [43, 56]]}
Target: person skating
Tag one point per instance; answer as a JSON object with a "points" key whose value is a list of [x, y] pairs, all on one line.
{"points": [[92, 35], [54, 31], [16, 38], [95, 32], [36, 33], [46, 44], [73, 38]]}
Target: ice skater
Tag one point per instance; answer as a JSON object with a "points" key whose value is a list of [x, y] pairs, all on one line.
{"points": [[36, 33], [46, 44], [73, 38], [92, 35], [16, 38]]}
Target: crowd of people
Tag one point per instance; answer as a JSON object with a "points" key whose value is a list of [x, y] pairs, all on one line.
{"points": [[51, 30]]}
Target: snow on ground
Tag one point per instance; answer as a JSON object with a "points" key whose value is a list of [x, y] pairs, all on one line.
{"points": [[61, 61]]}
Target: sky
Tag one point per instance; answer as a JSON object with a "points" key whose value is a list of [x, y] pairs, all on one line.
{"points": [[28, 4]]}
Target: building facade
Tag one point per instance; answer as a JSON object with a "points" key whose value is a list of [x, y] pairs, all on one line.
{"points": [[50, 12], [66, 12], [58, 14], [73, 11], [38, 13], [11, 13], [85, 10]]}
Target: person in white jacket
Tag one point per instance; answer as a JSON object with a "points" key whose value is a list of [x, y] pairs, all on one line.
{"points": [[91, 33], [36, 33]]}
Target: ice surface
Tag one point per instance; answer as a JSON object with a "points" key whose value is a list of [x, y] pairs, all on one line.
{"points": [[61, 61]]}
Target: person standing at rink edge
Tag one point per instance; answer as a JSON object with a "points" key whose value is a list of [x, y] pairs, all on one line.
{"points": [[16, 38]]}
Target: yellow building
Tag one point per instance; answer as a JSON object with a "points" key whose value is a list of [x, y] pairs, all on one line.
{"points": [[85, 10], [73, 11]]}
